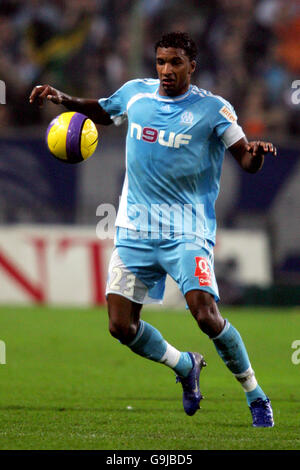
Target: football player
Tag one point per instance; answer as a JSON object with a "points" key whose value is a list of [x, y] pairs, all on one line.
{"points": [[166, 223]]}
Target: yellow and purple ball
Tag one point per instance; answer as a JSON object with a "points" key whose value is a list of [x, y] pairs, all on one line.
{"points": [[72, 137]]}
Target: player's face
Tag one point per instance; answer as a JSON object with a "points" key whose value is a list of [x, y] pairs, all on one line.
{"points": [[174, 70]]}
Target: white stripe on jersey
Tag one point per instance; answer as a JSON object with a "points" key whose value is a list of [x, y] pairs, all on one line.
{"points": [[157, 97], [137, 97], [204, 93], [196, 91], [122, 219], [149, 81]]}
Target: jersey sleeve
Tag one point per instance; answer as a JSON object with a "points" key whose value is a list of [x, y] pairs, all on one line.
{"points": [[224, 121], [116, 104]]}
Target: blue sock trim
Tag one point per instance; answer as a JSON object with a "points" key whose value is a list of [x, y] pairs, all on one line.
{"points": [[184, 365], [256, 393], [225, 328], [138, 333], [148, 342]]}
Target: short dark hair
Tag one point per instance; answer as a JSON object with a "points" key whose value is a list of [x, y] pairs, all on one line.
{"points": [[178, 40]]}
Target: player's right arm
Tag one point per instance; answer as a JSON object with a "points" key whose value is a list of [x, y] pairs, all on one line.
{"points": [[89, 107]]}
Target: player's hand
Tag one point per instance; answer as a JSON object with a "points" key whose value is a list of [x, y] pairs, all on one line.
{"points": [[42, 92], [261, 148]]}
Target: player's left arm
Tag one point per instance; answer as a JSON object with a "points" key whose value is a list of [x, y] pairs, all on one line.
{"points": [[250, 155]]}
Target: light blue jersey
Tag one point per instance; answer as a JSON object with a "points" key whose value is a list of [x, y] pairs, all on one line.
{"points": [[174, 155]]}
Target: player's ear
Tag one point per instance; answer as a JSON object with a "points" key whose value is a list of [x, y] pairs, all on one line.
{"points": [[192, 66]]}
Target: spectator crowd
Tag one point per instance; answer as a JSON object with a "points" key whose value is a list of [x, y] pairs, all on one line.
{"points": [[249, 52]]}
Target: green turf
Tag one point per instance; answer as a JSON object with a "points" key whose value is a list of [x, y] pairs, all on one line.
{"points": [[68, 385]]}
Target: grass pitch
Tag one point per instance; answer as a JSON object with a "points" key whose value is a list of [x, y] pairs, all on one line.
{"points": [[68, 385]]}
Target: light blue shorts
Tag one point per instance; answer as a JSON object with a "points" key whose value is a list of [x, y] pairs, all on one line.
{"points": [[139, 265]]}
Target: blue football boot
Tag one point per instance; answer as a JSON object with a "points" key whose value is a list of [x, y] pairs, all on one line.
{"points": [[262, 413], [191, 392]]}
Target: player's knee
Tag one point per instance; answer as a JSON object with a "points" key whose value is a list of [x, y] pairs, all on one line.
{"points": [[117, 330], [125, 333], [205, 311], [209, 320], [205, 319]]}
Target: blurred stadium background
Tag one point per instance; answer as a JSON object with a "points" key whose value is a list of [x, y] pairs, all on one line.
{"points": [[249, 53]]}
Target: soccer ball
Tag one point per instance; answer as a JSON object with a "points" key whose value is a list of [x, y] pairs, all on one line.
{"points": [[72, 137]]}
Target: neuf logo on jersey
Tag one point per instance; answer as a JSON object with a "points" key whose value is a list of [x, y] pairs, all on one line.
{"points": [[152, 135]]}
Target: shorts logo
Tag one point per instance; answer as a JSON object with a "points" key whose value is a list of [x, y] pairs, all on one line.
{"points": [[202, 271], [227, 114]]}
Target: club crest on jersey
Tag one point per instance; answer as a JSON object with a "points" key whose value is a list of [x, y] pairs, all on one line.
{"points": [[202, 271], [187, 117], [164, 138]]}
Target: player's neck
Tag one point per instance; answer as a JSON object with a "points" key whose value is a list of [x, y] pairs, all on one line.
{"points": [[182, 92]]}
